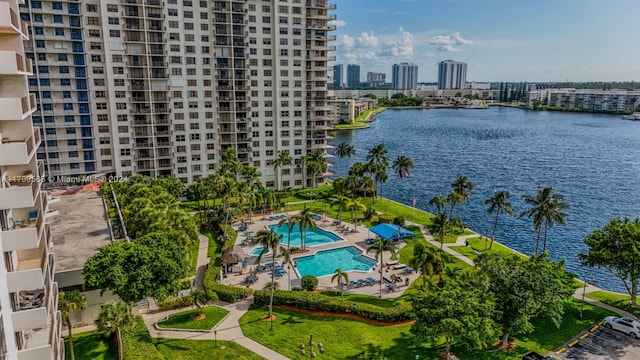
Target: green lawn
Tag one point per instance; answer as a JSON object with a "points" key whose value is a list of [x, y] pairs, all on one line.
{"points": [[179, 349], [193, 258], [215, 247], [355, 125], [395, 342], [477, 246], [620, 301], [182, 320], [91, 346]]}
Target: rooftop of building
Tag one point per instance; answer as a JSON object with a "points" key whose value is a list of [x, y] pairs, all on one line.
{"points": [[79, 228]]}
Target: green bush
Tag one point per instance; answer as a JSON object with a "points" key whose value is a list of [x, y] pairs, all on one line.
{"points": [[137, 345], [186, 284], [228, 293], [174, 302], [385, 218], [319, 302], [369, 213], [309, 282]]}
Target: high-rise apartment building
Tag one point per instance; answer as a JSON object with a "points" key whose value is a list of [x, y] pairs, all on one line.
{"points": [[376, 78], [164, 88], [452, 74], [353, 76], [338, 71], [404, 76], [29, 319]]}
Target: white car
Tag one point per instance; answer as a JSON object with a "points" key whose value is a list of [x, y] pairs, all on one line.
{"points": [[626, 325]]}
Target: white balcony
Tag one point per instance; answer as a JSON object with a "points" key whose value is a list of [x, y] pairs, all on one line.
{"points": [[19, 195], [23, 238], [32, 269], [17, 108], [12, 63], [19, 151], [10, 22]]}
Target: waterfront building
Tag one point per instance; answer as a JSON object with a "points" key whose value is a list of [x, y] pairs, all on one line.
{"points": [[164, 88], [338, 71], [375, 79], [347, 109], [452, 74], [30, 324], [587, 99], [353, 76], [404, 76]]}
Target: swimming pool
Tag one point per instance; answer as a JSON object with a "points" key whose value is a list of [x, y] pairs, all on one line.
{"points": [[327, 261], [314, 237], [257, 251]]}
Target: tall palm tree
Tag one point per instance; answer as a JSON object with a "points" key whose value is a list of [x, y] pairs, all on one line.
{"points": [[340, 275], [228, 189], [316, 164], [354, 206], [341, 202], [113, 318], [301, 163], [283, 159], [305, 222], [345, 150], [439, 201], [427, 261], [545, 209], [268, 200], [441, 226], [378, 163], [498, 203], [268, 239], [367, 185], [286, 259], [402, 166], [378, 247], [69, 303], [290, 221], [462, 186]]}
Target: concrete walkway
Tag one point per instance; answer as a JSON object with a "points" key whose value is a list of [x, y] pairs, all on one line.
{"points": [[203, 261]]}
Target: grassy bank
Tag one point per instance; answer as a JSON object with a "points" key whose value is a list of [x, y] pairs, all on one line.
{"points": [[619, 301], [183, 320]]}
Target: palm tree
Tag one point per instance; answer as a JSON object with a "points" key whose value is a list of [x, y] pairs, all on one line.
{"points": [[282, 160], [268, 239], [354, 206], [427, 261], [341, 202], [378, 163], [340, 275], [345, 150], [379, 246], [402, 166], [286, 259], [316, 164], [113, 318], [498, 203], [305, 222], [439, 201], [441, 226], [199, 300], [462, 186], [291, 221], [69, 303], [545, 208]]}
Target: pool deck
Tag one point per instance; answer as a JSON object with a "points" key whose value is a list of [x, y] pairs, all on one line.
{"points": [[357, 239]]}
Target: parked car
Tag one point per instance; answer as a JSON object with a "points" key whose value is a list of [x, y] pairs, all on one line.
{"points": [[626, 325]]}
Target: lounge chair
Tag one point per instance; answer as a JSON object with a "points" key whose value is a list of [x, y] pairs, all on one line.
{"points": [[391, 263], [408, 270], [399, 266], [342, 285], [371, 281], [271, 218], [361, 282], [391, 288], [353, 283], [387, 279], [370, 241]]}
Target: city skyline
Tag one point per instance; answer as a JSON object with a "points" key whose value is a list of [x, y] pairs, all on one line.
{"points": [[500, 40]]}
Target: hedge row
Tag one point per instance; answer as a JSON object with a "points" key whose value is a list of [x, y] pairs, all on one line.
{"points": [[228, 293], [137, 345], [174, 302], [385, 218], [319, 302]]}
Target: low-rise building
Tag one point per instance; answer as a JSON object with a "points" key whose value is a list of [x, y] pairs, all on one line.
{"points": [[588, 99]]}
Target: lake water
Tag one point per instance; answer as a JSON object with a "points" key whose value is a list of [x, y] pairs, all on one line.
{"points": [[592, 160]]}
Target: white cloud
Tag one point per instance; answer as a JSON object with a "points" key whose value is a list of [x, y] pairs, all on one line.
{"points": [[449, 43], [347, 41], [399, 47], [338, 23], [428, 54], [367, 40]]}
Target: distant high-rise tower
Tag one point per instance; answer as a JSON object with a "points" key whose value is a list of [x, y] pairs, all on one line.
{"points": [[338, 70], [452, 74], [404, 76], [376, 79], [353, 76]]}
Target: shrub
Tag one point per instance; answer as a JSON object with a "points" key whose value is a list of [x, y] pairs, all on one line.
{"points": [[319, 302], [369, 213], [185, 284], [385, 218], [229, 293], [398, 221], [137, 345], [174, 302], [309, 282]]}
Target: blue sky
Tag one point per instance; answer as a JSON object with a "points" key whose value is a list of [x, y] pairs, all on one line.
{"points": [[501, 40]]}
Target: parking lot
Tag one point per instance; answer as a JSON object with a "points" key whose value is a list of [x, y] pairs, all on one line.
{"points": [[600, 343]]}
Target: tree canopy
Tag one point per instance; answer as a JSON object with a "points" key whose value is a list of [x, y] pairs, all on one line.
{"points": [[617, 248]]}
